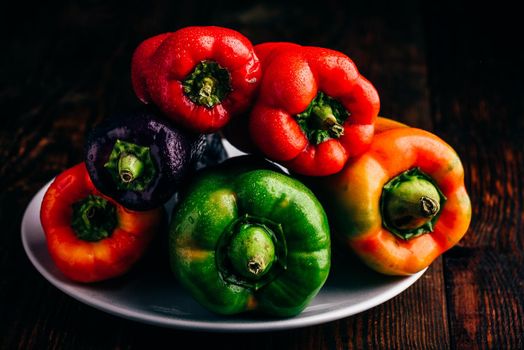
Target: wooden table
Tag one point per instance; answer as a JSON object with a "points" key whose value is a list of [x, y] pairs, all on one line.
{"points": [[450, 68]]}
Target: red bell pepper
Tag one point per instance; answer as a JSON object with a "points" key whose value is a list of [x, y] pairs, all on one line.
{"points": [[91, 237], [314, 109], [198, 76]]}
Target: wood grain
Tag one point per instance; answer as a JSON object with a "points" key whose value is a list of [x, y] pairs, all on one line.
{"points": [[64, 67], [477, 93]]}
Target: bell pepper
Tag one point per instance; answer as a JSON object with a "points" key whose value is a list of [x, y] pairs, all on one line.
{"points": [[246, 238], [89, 236], [314, 109], [139, 159], [402, 203], [198, 76]]}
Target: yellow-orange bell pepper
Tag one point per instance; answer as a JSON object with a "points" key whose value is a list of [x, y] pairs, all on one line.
{"points": [[402, 203]]}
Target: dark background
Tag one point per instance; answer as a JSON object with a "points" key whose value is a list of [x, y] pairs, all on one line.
{"points": [[452, 67]]}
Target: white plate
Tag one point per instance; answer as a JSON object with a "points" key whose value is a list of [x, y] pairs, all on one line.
{"points": [[150, 294]]}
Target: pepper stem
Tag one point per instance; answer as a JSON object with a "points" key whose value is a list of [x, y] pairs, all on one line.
{"points": [[252, 251], [131, 166], [429, 207], [208, 84], [323, 119], [410, 204], [94, 218], [206, 91]]}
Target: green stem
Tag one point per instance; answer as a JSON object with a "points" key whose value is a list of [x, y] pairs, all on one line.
{"points": [[94, 218], [323, 119], [206, 91], [411, 204], [251, 252], [208, 84], [131, 166]]}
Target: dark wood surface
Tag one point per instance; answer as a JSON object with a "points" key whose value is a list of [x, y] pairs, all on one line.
{"points": [[454, 68]]}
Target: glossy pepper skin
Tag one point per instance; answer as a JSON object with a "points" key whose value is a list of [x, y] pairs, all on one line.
{"points": [[356, 200], [139, 159], [314, 110], [200, 77], [237, 130], [250, 239], [117, 238]]}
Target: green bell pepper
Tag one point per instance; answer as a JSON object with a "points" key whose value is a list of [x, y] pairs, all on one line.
{"points": [[245, 238]]}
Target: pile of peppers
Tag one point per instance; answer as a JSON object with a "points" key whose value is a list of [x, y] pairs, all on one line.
{"points": [[246, 235]]}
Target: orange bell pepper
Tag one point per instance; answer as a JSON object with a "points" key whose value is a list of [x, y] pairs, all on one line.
{"points": [[402, 203], [89, 236]]}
